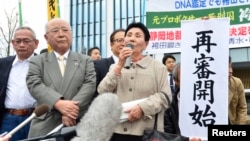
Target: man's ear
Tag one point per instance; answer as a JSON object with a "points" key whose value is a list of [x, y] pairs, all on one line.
{"points": [[46, 37]]}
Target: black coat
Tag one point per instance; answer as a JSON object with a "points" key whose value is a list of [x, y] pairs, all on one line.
{"points": [[168, 121], [5, 67], [102, 68]]}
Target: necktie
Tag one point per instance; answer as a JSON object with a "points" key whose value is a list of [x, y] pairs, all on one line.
{"points": [[61, 64], [171, 83]]}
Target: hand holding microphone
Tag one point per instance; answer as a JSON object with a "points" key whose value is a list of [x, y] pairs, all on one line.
{"points": [[128, 60], [124, 59], [40, 110]]}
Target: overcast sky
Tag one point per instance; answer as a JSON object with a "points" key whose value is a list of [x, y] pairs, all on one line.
{"points": [[34, 13]]}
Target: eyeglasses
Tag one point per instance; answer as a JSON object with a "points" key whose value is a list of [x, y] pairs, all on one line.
{"points": [[56, 30], [25, 41], [119, 40]]}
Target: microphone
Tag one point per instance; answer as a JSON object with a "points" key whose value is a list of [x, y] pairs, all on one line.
{"points": [[65, 132], [100, 120], [128, 60], [40, 110]]}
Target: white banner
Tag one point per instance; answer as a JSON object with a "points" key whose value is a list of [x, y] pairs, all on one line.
{"points": [[204, 75]]}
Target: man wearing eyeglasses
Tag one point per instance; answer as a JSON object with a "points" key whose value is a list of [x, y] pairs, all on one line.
{"points": [[16, 102], [63, 79], [116, 44]]}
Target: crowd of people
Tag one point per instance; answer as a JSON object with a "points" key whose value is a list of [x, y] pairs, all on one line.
{"points": [[68, 82]]}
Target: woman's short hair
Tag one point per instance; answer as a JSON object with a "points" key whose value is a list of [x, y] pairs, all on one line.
{"points": [[141, 26]]}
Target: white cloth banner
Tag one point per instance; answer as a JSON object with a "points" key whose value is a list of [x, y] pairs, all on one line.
{"points": [[204, 75]]}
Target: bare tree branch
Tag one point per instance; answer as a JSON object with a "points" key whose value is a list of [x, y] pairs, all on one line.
{"points": [[8, 33]]}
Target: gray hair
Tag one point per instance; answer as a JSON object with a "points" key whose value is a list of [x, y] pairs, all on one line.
{"points": [[27, 28], [47, 24], [177, 68]]}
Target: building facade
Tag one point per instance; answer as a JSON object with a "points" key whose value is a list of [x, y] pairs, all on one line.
{"points": [[93, 21]]}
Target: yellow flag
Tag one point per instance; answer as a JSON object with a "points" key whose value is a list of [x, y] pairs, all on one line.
{"points": [[53, 12]]}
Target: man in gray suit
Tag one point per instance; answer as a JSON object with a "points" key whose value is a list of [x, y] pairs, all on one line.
{"points": [[68, 93]]}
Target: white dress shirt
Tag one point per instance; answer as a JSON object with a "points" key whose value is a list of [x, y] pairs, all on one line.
{"points": [[116, 59], [17, 93]]}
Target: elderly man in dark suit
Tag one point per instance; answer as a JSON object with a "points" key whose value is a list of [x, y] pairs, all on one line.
{"points": [[63, 79], [116, 44]]}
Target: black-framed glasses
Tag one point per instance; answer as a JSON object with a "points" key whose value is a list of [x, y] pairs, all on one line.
{"points": [[25, 41], [119, 40]]}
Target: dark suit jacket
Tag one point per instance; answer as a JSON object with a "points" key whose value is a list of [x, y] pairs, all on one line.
{"points": [[102, 68], [169, 125], [5, 67], [46, 85]]}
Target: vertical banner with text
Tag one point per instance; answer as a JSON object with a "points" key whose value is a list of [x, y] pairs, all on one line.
{"points": [[53, 12], [204, 75]]}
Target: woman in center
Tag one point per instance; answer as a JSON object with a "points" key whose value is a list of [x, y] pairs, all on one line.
{"points": [[145, 78]]}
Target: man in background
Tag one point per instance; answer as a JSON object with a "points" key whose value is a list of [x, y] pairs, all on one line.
{"points": [[16, 102], [169, 61], [116, 44], [237, 111], [44, 50], [94, 53]]}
